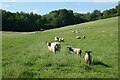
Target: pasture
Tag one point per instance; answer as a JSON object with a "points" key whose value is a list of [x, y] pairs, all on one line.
{"points": [[26, 55]]}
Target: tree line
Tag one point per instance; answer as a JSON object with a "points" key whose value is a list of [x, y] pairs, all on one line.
{"points": [[21, 21]]}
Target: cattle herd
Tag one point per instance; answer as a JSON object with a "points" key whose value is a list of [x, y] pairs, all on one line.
{"points": [[56, 46]]}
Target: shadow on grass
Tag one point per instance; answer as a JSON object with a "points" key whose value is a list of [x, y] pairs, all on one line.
{"points": [[26, 74], [48, 65], [97, 62], [87, 68], [29, 63]]}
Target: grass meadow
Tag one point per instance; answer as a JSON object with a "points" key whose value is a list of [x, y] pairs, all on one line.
{"points": [[25, 54]]}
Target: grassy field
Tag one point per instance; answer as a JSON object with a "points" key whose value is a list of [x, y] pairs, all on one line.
{"points": [[25, 55]]}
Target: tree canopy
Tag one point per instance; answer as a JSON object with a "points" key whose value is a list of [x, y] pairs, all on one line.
{"points": [[21, 21]]}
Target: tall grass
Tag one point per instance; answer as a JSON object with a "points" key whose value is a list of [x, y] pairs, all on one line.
{"points": [[27, 55]]}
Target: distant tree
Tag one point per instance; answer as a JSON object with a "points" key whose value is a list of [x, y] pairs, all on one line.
{"points": [[21, 21], [106, 13], [59, 18], [96, 14], [7, 18], [88, 16], [118, 9]]}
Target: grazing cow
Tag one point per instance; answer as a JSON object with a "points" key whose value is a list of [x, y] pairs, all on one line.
{"points": [[77, 37], [88, 57], [54, 46], [61, 40], [73, 31], [89, 27], [56, 39], [84, 37], [75, 50], [77, 31]]}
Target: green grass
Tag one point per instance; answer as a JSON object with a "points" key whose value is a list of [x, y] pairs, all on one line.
{"points": [[27, 56]]}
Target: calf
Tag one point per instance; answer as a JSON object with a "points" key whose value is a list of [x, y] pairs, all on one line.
{"points": [[54, 46], [75, 50], [88, 57]]}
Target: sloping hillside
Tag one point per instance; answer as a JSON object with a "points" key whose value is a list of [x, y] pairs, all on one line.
{"points": [[26, 54]]}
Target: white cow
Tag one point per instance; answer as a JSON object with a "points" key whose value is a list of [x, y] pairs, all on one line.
{"points": [[75, 50], [54, 46], [56, 39]]}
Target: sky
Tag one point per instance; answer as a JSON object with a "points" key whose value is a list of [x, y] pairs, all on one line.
{"points": [[45, 7], [59, 0]]}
